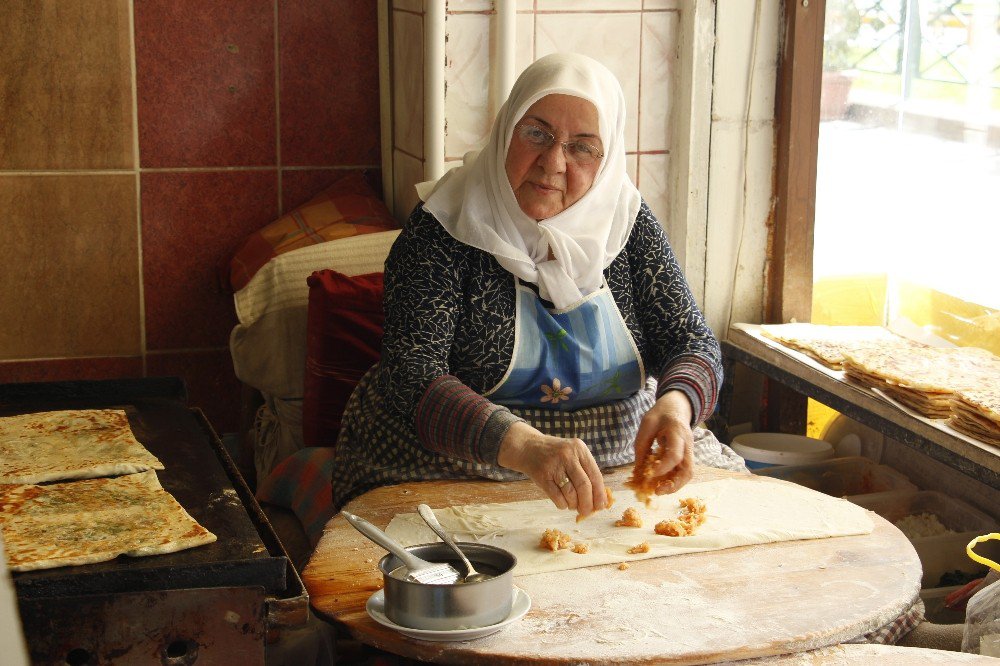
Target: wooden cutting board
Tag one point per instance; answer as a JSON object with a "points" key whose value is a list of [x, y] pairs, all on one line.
{"points": [[722, 605]]}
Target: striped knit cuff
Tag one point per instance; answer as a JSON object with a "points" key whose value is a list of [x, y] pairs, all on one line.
{"points": [[455, 421], [697, 379], [496, 429]]}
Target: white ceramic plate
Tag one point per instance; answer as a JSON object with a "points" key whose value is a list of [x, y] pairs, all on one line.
{"points": [[376, 609]]}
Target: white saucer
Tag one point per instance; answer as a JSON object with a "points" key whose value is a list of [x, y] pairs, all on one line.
{"points": [[376, 609]]}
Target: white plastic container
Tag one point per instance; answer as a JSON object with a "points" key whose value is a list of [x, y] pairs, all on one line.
{"points": [[766, 449], [943, 553]]}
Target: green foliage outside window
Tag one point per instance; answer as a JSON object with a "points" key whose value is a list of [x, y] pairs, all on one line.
{"points": [[843, 22]]}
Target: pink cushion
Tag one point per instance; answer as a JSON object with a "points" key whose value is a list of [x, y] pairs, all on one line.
{"points": [[343, 340]]}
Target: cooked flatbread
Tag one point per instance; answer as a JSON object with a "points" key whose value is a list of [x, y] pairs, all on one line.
{"points": [[976, 412], [929, 369], [975, 429], [828, 344], [985, 400], [70, 444], [932, 404], [83, 522], [924, 379]]}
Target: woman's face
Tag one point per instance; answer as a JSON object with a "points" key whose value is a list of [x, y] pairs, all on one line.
{"points": [[544, 180]]}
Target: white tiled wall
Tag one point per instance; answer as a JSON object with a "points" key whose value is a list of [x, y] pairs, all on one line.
{"points": [[636, 39], [659, 41], [662, 4], [467, 83], [588, 5], [525, 40], [616, 44], [653, 169], [470, 5]]}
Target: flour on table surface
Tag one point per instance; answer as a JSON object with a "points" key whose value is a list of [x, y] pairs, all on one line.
{"points": [[606, 614]]}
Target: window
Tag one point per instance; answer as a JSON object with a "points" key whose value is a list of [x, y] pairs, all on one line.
{"points": [[907, 223]]}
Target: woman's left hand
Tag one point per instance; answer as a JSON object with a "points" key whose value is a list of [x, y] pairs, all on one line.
{"points": [[668, 422]]}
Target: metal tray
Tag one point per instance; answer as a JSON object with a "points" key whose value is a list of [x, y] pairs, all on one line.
{"points": [[198, 473]]}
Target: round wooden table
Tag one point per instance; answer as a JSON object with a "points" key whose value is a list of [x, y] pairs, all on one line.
{"points": [[883, 655], [739, 603]]}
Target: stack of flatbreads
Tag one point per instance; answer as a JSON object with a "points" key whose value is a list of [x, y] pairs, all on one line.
{"points": [[49, 519], [976, 412], [956, 383], [828, 344], [923, 379]]}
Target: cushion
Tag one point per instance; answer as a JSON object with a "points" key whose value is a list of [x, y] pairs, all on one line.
{"points": [[301, 482], [268, 345], [349, 207], [343, 340]]}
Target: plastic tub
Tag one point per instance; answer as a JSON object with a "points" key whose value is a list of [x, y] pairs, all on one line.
{"points": [[843, 477], [942, 554], [765, 449]]}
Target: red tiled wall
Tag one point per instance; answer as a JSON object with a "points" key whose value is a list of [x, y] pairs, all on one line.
{"points": [[119, 204]]}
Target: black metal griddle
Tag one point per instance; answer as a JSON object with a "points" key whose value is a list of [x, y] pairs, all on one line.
{"points": [[201, 476]]}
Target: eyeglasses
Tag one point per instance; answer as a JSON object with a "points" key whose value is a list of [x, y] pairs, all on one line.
{"points": [[579, 151]]}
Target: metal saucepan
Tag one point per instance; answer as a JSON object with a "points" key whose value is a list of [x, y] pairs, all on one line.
{"points": [[453, 606]]}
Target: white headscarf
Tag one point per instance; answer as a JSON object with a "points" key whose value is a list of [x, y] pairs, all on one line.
{"points": [[476, 205]]}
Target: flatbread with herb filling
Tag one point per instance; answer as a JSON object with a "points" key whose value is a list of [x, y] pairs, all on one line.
{"points": [[95, 520], [976, 412], [924, 379], [70, 444], [828, 344]]}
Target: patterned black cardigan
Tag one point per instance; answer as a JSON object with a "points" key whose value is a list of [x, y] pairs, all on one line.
{"points": [[449, 332]]}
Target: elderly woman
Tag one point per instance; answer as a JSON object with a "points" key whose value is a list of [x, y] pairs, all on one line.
{"points": [[537, 323]]}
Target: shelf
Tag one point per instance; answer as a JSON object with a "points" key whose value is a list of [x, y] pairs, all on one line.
{"points": [[808, 377]]}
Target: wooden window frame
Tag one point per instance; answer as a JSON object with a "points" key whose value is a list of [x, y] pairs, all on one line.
{"points": [[800, 73], [788, 289]]}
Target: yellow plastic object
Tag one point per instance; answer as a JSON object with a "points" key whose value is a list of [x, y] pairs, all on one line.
{"points": [[979, 558]]}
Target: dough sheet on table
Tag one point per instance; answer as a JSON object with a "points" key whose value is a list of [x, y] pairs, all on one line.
{"points": [[741, 512]]}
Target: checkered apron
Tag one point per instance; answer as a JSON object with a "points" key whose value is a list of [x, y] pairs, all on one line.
{"points": [[377, 448], [573, 373], [601, 402]]}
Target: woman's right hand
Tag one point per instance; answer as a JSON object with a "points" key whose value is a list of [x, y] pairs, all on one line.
{"points": [[549, 461]]}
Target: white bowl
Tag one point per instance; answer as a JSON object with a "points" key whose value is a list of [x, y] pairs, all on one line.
{"points": [[764, 449]]}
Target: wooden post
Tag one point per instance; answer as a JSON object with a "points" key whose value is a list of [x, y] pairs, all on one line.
{"points": [[789, 285]]}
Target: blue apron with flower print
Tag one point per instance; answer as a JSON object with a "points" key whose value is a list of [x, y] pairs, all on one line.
{"points": [[569, 359]]}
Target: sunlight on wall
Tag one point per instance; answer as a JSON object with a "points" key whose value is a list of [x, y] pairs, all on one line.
{"points": [[946, 318], [911, 309], [854, 299]]}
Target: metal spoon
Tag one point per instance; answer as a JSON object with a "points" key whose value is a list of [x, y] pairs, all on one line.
{"points": [[418, 570], [471, 575]]}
